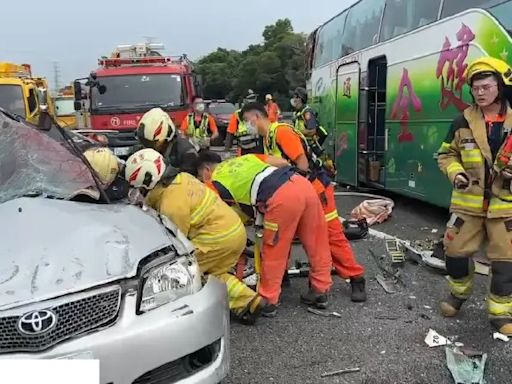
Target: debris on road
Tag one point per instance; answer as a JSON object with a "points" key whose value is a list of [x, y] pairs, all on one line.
{"points": [[500, 336], [388, 273], [434, 339], [394, 249], [340, 372], [387, 283], [386, 317], [466, 369], [323, 313], [481, 268], [374, 211]]}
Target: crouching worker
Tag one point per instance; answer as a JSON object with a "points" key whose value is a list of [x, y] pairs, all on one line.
{"points": [[215, 229], [289, 205], [108, 169]]}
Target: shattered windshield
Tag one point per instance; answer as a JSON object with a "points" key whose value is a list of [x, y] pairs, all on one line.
{"points": [[33, 163]]}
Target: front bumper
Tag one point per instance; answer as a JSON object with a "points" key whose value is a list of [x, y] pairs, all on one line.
{"points": [[141, 348]]}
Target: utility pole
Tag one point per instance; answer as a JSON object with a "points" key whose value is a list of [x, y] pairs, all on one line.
{"points": [[56, 76]]}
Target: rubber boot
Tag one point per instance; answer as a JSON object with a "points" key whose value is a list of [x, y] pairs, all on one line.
{"points": [[269, 310], [314, 299], [358, 294], [503, 326], [451, 306], [253, 311]]}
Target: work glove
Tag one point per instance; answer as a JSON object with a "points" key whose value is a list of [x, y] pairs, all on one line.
{"points": [[461, 182]]}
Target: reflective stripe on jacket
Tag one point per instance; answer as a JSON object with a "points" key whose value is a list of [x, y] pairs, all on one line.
{"points": [[197, 211], [300, 122], [466, 150], [198, 132]]}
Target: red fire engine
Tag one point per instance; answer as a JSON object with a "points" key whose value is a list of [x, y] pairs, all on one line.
{"points": [[133, 80]]}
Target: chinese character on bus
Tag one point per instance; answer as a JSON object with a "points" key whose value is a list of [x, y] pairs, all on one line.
{"points": [[401, 107], [451, 67]]}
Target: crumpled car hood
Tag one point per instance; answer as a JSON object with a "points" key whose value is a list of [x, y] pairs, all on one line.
{"points": [[53, 247]]}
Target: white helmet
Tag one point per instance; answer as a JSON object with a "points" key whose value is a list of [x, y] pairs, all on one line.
{"points": [[104, 162], [268, 96], [144, 168], [155, 126]]}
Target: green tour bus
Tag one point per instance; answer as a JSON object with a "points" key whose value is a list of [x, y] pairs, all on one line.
{"points": [[387, 78]]}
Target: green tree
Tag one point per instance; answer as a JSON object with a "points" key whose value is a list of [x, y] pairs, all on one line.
{"points": [[275, 66]]}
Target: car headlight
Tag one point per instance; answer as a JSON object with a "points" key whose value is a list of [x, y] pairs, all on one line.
{"points": [[169, 281]]}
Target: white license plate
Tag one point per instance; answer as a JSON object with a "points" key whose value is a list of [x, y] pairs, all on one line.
{"points": [[122, 151], [77, 356]]}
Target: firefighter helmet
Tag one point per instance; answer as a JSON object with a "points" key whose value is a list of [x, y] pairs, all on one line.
{"points": [[144, 168], [104, 162], [155, 126], [489, 65]]}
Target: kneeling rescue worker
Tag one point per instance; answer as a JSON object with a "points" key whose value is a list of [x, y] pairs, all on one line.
{"points": [[282, 141], [289, 205], [213, 227], [157, 131], [476, 155]]}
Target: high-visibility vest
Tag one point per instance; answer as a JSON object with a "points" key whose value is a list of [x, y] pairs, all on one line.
{"points": [[242, 127], [198, 132], [242, 176], [300, 123], [271, 147]]}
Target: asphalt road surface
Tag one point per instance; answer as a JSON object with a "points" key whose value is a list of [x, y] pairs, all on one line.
{"points": [[297, 346]]}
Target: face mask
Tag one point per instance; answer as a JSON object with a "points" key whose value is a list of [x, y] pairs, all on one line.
{"points": [[293, 102], [251, 128], [199, 107]]}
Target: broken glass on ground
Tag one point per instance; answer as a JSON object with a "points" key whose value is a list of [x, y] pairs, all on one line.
{"points": [[466, 368]]}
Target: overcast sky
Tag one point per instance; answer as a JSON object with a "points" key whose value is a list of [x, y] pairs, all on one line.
{"points": [[76, 33]]}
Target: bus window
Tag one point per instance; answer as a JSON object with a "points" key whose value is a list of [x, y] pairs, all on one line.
{"points": [[328, 45], [402, 16], [503, 13], [362, 27], [451, 7]]}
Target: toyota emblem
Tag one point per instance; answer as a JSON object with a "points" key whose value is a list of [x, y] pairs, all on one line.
{"points": [[115, 121], [37, 322]]}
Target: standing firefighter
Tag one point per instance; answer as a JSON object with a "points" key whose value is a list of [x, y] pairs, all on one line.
{"points": [[289, 205], [476, 156], [306, 122], [248, 140], [157, 131], [282, 141], [199, 125], [215, 229]]}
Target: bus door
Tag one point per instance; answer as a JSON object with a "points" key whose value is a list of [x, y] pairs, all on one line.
{"points": [[372, 134], [346, 135]]}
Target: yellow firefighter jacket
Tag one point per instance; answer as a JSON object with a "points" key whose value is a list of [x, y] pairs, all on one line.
{"points": [[466, 150], [213, 227]]}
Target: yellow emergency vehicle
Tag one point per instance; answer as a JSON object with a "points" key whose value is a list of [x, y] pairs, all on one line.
{"points": [[65, 113], [23, 94]]}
